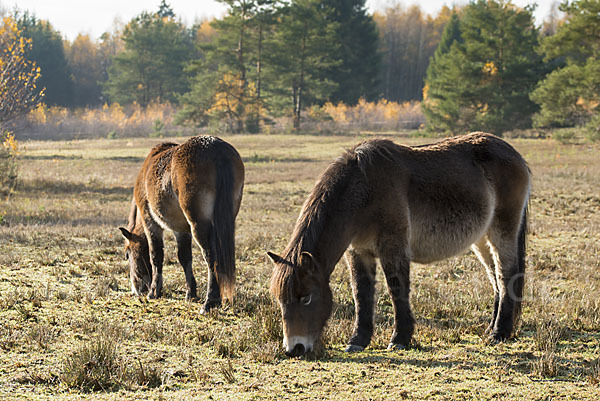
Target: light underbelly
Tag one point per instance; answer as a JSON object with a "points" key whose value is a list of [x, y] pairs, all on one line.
{"points": [[440, 233]]}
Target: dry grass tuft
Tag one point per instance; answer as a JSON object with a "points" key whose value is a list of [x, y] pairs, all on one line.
{"points": [[548, 333], [42, 335], [94, 366], [593, 374], [227, 371]]}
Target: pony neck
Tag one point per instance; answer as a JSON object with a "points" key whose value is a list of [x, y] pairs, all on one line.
{"points": [[326, 225], [134, 224], [327, 242]]}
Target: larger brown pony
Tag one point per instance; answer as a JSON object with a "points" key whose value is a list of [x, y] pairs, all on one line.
{"points": [[404, 204], [195, 190]]}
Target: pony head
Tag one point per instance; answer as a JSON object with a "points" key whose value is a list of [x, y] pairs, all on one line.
{"points": [[137, 253], [305, 300]]}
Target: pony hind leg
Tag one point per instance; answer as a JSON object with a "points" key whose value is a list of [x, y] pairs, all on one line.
{"points": [[198, 210], [184, 254], [362, 267], [202, 231], [485, 256], [508, 276]]}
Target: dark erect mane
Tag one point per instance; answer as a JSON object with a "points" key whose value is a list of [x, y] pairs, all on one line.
{"points": [[324, 200], [132, 216]]}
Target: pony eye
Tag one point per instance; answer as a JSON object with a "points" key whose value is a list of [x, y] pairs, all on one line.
{"points": [[306, 300], [126, 255]]}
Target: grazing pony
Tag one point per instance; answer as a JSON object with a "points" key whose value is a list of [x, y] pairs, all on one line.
{"points": [[195, 190], [403, 204]]}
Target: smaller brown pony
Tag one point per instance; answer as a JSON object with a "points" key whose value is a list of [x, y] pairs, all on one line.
{"points": [[195, 190], [403, 204]]}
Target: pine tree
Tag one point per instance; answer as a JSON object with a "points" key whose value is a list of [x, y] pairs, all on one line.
{"points": [[450, 35], [48, 53], [302, 52], [439, 106], [151, 68], [570, 94], [357, 75], [165, 10], [484, 82], [226, 83]]}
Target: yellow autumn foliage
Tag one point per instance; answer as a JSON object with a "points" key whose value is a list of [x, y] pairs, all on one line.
{"points": [[235, 101], [382, 112], [18, 76], [127, 120], [490, 68]]}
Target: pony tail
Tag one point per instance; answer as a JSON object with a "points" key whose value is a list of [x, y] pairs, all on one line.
{"points": [[223, 228]]}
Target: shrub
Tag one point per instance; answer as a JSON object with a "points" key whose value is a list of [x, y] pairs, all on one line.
{"points": [[381, 115], [592, 129], [8, 162], [564, 135], [154, 120]]}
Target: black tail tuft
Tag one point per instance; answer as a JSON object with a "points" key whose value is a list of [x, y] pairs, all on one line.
{"points": [[223, 227]]}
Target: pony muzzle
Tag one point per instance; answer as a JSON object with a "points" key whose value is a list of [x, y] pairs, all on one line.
{"points": [[297, 346]]}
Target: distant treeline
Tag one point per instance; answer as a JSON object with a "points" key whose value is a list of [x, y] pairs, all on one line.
{"points": [[483, 66]]}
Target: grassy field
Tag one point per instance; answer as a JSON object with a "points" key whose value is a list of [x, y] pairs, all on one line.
{"points": [[69, 328]]}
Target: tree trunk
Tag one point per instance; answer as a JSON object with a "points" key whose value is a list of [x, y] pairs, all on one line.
{"points": [[298, 105]]}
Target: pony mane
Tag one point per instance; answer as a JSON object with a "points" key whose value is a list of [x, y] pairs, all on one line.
{"points": [[341, 189], [132, 216], [161, 147]]}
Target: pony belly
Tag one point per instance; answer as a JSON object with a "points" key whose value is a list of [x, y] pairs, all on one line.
{"points": [[432, 241], [434, 251], [170, 217]]}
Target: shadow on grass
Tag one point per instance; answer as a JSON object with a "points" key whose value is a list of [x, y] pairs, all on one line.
{"points": [[40, 186], [395, 358], [58, 220], [256, 158], [125, 159], [50, 157]]}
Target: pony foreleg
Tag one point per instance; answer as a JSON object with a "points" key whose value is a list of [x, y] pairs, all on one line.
{"points": [[155, 242], [362, 269], [396, 268], [184, 254]]}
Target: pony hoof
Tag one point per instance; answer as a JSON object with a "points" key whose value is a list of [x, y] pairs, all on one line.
{"points": [[496, 338], [396, 347], [191, 298], [209, 306], [354, 348]]}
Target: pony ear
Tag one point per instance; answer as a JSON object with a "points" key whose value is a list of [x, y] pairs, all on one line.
{"points": [[126, 234], [308, 262], [275, 258]]}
